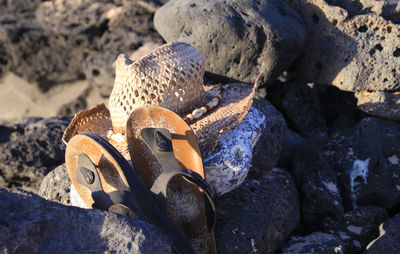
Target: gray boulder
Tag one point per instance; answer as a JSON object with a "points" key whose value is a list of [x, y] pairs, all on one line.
{"points": [[258, 216], [367, 163], [314, 243], [354, 54], [29, 149], [238, 38], [31, 224], [389, 238]]}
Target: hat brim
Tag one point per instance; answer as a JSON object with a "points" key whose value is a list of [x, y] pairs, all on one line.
{"points": [[237, 99]]}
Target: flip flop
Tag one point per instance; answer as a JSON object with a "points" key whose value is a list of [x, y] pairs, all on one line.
{"points": [[106, 181], [167, 157]]}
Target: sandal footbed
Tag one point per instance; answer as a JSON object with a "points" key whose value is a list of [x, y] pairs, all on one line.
{"points": [[185, 201]]}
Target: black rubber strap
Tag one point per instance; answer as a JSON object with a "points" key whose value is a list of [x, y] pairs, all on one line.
{"points": [[142, 202], [159, 141]]}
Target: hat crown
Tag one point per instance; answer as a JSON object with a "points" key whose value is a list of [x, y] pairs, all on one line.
{"points": [[170, 76]]}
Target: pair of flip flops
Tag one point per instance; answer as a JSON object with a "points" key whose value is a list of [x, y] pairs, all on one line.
{"points": [[164, 184]]}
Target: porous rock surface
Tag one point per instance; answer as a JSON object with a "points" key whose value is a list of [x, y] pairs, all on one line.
{"points": [[367, 163], [229, 163], [357, 227], [257, 216], [31, 224], [389, 9], [300, 106], [381, 104], [315, 243], [38, 56], [238, 38], [317, 185], [56, 186], [29, 149], [268, 148], [389, 238], [47, 41], [353, 53]]}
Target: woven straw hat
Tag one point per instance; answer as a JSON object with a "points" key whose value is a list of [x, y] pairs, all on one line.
{"points": [[170, 76]]}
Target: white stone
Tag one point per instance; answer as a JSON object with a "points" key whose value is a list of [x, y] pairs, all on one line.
{"points": [[227, 167]]}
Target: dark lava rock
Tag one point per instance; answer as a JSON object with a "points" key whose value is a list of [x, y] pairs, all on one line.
{"points": [[3, 60], [18, 7], [300, 105], [357, 53], [380, 104], [367, 163], [75, 17], [359, 226], [257, 216], [291, 143], [267, 150], [389, 238], [386, 8], [317, 184], [29, 149], [56, 186], [315, 243], [339, 108], [30, 224], [38, 56], [238, 38], [100, 71]]}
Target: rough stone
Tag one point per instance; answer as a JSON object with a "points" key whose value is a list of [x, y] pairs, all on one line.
{"points": [[238, 38], [100, 71], [30, 224], [389, 238], [339, 108], [29, 149], [381, 104], [300, 106], [354, 54], [56, 186], [292, 141], [317, 184], [267, 150], [18, 7], [130, 26], [100, 68], [228, 165], [317, 242], [258, 216], [389, 9], [38, 56], [367, 163], [359, 226], [3, 61], [68, 17]]}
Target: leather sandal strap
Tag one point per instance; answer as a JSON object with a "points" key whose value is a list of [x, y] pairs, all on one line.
{"points": [[159, 141], [139, 199]]}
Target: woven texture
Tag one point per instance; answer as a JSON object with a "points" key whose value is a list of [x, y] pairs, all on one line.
{"points": [[170, 76]]}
